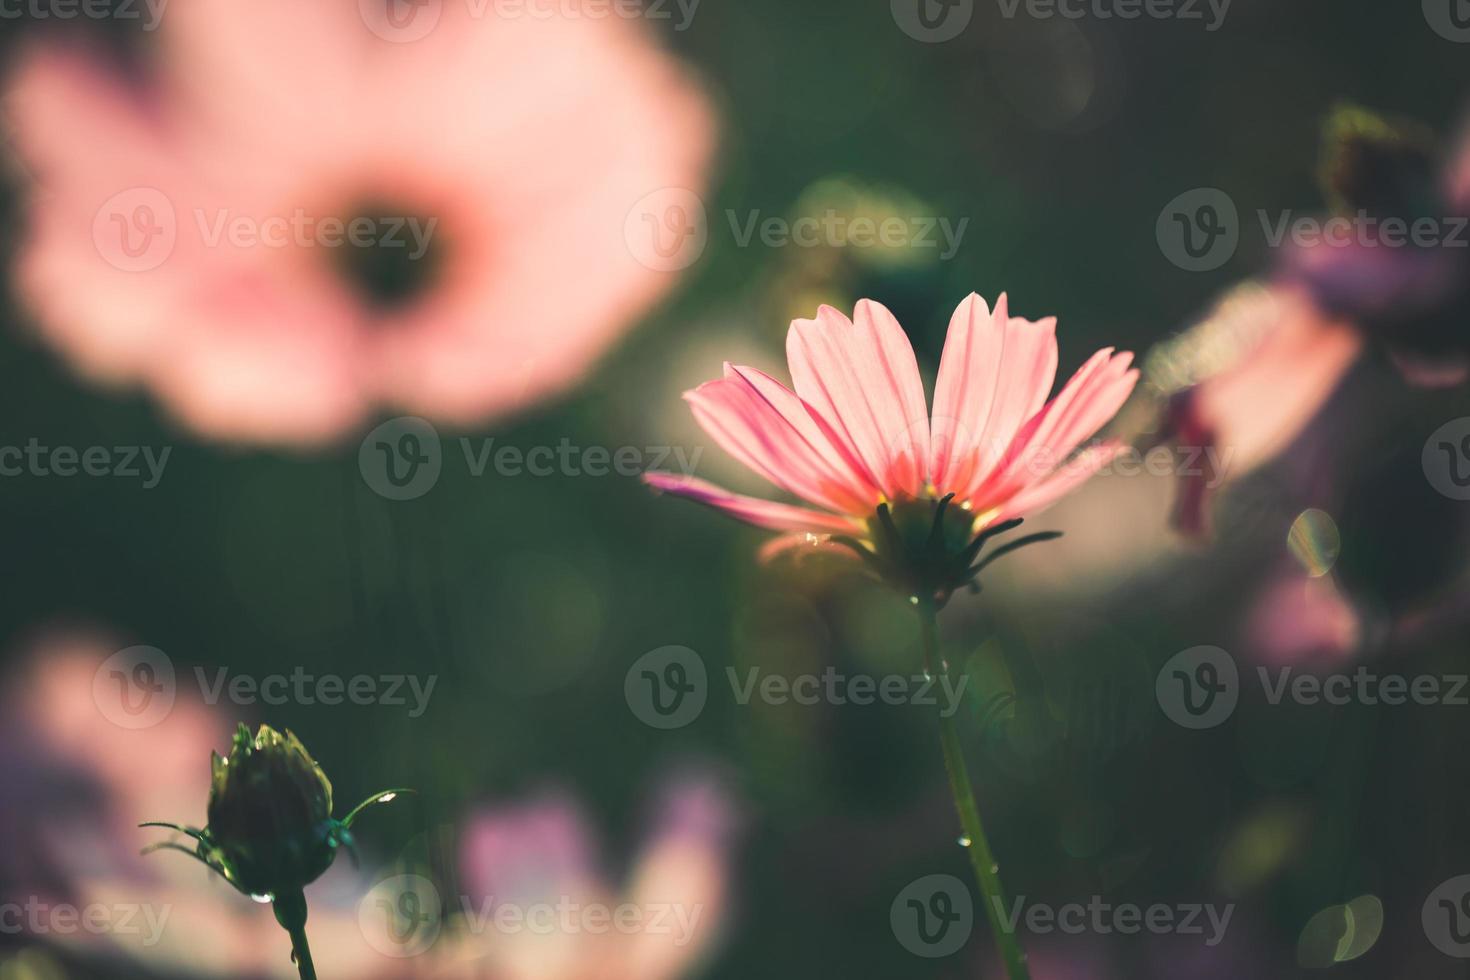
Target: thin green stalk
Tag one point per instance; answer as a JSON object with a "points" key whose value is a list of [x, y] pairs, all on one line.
{"points": [[301, 951], [291, 914], [987, 872]]}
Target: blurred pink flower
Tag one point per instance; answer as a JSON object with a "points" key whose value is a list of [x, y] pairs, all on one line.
{"points": [[856, 432], [537, 908], [1248, 380], [1300, 619], [190, 231], [1244, 382]]}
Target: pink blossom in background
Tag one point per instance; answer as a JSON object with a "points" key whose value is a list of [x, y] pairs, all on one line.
{"points": [[1299, 619], [856, 430], [1244, 382], [518, 144], [541, 854]]}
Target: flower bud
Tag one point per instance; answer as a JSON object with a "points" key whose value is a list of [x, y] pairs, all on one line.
{"points": [[270, 813], [271, 830]]}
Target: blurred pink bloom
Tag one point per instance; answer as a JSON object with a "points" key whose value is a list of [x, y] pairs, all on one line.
{"points": [[1245, 382], [856, 431], [1256, 372], [1299, 619], [182, 231], [73, 788], [537, 908]]}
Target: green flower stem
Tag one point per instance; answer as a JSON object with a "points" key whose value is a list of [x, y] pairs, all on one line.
{"points": [[291, 914], [981, 858]]}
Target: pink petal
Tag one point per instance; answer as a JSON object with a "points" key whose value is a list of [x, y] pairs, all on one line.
{"points": [[1016, 387], [747, 424], [1069, 477], [845, 468], [968, 372], [1085, 404], [862, 378], [752, 510]]}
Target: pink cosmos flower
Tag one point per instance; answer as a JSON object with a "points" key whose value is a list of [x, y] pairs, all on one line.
{"points": [[192, 230], [915, 495]]}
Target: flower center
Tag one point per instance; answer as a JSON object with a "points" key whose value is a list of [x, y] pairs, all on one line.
{"points": [[390, 256], [928, 548]]}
